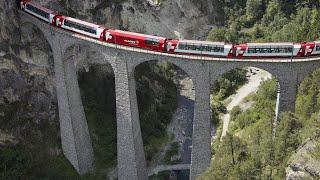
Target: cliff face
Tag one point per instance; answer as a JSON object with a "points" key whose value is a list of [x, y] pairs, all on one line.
{"points": [[305, 164], [26, 74], [28, 105], [29, 127], [190, 18], [26, 63]]}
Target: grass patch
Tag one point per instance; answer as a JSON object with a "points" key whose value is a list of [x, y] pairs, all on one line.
{"points": [[316, 152]]}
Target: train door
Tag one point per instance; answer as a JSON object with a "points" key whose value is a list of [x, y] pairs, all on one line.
{"points": [[170, 45], [58, 20], [239, 50], [309, 48]]}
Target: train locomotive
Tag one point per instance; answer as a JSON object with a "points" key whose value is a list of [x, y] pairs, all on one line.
{"points": [[172, 46]]}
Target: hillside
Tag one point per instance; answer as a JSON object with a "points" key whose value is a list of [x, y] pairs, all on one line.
{"points": [[269, 21], [29, 124], [249, 149]]}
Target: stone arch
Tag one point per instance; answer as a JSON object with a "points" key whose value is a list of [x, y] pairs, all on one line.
{"points": [[309, 72], [187, 110], [219, 68], [97, 89], [44, 29], [305, 69], [254, 69], [186, 65], [81, 61], [87, 54], [34, 40]]}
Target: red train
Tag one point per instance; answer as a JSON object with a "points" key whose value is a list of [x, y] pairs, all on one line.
{"points": [[162, 44]]}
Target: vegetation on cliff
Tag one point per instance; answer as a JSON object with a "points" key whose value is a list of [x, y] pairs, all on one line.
{"points": [[156, 95], [268, 20], [225, 86], [157, 100], [249, 149], [98, 97]]}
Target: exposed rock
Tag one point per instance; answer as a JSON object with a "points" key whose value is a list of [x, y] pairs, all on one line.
{"points": [[7, 139], [28, 105], [305, 164], [295, 167], [193, 19], [26, 77]]}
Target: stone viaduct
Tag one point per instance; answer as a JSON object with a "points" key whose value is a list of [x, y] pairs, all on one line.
{"points": [[76, 142]]}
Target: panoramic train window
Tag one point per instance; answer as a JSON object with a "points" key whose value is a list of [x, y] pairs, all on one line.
{"points": [[199, 47], [189, 47], [193, 47], [215, 48], [285, 49], [181, 46], [38, 11], [152, 42], [80, 27]]}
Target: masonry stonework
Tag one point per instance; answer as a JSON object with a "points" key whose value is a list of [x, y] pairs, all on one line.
{"points": [[75, 139], [131, 159], [79, 127]]}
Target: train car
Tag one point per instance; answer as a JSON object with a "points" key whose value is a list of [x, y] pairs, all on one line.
{"points": [[138, 40], [205, 48], [312, 48], [82, 27], [161, 44], [38, 11], [256, 50], [171, 45]]}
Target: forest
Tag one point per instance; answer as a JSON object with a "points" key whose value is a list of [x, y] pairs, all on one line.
{"points": [[250, 150], [268, 21]]}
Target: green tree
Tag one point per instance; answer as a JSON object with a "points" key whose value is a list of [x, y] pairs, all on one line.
{"points": [[254, 10], [217, 34], [286, 141], [235, 112], [233, 33], [314, 25], [14, 163]]}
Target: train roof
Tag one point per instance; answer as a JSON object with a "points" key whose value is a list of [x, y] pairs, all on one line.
{"points": [[139, 34], [202, 42], [42, 8], [83, 22], [271, 44]]}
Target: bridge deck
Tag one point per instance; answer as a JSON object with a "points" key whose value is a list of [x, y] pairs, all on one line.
{"points": [[193, 57]]}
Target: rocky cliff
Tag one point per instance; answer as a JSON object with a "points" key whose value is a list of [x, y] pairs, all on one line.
{"points": [[26, 74], [26, 63], [305, 164], [29, 126], [188, 18]]}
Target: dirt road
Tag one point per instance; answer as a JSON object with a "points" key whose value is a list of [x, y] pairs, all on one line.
{"points": [[256, 76]]}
